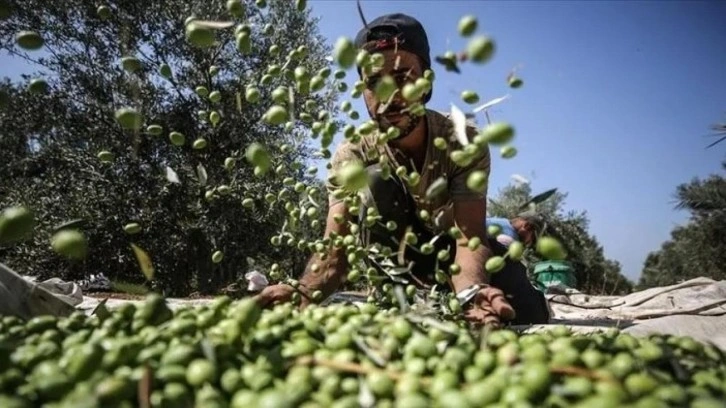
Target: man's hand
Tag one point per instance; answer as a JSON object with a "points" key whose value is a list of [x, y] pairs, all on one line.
{"points": [[489, 307], [280, 293]]}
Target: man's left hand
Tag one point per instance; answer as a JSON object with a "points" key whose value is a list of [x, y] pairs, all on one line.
{"points": [[489, 307]]}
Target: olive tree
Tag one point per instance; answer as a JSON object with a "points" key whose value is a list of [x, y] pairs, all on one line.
{"points": [[175, 183]]}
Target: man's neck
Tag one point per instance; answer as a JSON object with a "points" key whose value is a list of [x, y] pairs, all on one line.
{"points": [[413, 145]]}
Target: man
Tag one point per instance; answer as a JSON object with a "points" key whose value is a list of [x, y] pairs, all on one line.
{"points": [[523, 228], [404, 45]]}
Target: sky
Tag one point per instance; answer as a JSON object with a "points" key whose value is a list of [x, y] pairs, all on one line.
{"points": [[616, 106]]}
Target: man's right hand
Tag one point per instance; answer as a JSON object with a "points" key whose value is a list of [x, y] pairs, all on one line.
{"points": [[276, 294]]}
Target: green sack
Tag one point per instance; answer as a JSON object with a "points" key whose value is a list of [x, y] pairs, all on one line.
{"points": [[554, 273]]}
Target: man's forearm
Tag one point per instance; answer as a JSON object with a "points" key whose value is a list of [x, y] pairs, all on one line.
{"points": [[472, 267], [329, 275]]}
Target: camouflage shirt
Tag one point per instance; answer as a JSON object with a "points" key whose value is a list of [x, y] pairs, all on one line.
{"points": [[437, 164]]}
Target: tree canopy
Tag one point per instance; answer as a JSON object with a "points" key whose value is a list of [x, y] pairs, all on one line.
{"points": [[595, 273], [697, 248], [69, 160]]}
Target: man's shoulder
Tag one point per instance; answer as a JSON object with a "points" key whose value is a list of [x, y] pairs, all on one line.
{"points": [[349, 150], [441, 123], [440, 116]]}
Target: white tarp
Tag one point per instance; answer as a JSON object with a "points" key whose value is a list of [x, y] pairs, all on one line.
{"points": [[695, 308]]}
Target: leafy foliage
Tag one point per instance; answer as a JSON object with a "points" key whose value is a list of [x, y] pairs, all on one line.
{"points": [[50, 141], [697, 248], [595, 274]]}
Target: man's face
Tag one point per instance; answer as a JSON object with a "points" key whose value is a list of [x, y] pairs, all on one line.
{"points": [[404, 67], [524, 229]]}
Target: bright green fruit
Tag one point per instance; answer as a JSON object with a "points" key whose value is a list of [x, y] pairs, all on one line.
{"points": [[515, 251], [236, 8], [244, 43], [16, 223], [29, 40], [70, 243], [495, 264], [467, 25], [217, 256], [494, 230], [353, 176], [129, 118], [130, 64], [38, 86], [165, 71], [154, 130], [252, 95], [477, 181], [132, 228], [498, 133], [177, 139], [257, 155], [480, 49], [199, 36], [344, 53], [199, 144], [202, 91], [469, 97], [507, 152], [105, 156], [550, 248], [276, 115], [103, 12]]}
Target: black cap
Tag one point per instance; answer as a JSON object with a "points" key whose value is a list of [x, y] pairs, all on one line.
{"points": [[396, 31]]}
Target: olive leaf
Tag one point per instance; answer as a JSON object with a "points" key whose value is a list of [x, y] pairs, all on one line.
{"points": [[201, 174], [172, 176], [101, 310], [491, 103], [147, 267], [216, 25], [459, 120], [436, 188]]}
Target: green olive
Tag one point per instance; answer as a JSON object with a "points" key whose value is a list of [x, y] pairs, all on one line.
{"points": [[105, 156], [498, 133], [276, 115], [515, 251], [38, 86], [469, 97], [550, 248], [16, 224], [130, 63], [103, 12], [199, 144], [507, 152], [480, 49], [199, 36], [252, 94], [29, 40], [236, 8], [177, 139], [132, 228], [467, 25], [199, 372], [129, 118], [70, 243], [477, 181]]}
